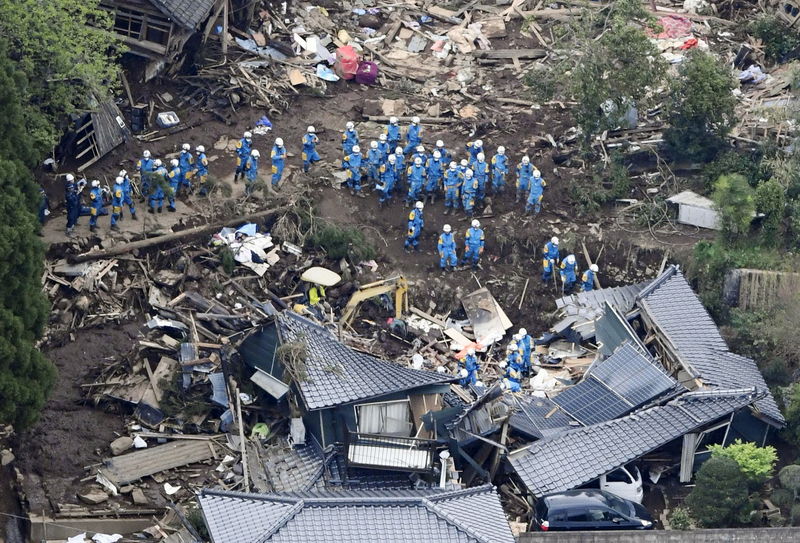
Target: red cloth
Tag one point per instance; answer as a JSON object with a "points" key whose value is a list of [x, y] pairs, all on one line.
{"points": [[672, 26], [688, 44], [346, 62]]}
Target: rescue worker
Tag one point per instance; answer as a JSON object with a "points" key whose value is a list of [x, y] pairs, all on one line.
{"points": [[186, 161], [419, 152], [474, 148], [316, 299], [310, 155], [72, 202], [95, 204], [127, 195], [44, 207], [587, 279], [480, 169], [156, 196], [434, 173], [463, 166], [550, 258], [442, 150], [469, 187], [201, 168], [513, 376], [387, 175], [383, 147], [447, 249], [473, 244], [399, 166], [349, 138], [352, 163], [452, 185], [117, 198], [251, 171], [535, 194], [416, 177], [374, 161], [278, 157], [499, 170], [243, 148], [470, 366], [569, 269], [525, 342], [413, 135], [144, 166], [175, 179], [416, 223], [392, 132], [524, 174]]}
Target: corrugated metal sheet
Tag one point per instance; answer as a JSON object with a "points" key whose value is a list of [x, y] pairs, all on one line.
{"points": [[131, 467]]}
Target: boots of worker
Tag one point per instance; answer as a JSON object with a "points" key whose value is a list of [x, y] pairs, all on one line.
{"points": [[433, 198], [115, 228], [134, 216]]}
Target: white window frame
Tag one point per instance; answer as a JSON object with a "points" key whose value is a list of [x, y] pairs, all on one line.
{"points": [[383, 431]]}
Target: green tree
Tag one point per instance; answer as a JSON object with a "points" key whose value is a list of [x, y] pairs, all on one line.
{"points": [[720, 497], [735, 202], [791, 412], [700, 107], [789, 477], [770, 200], [757, 463]]}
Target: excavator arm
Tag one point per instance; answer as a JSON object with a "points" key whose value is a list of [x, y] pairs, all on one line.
{"points": [[397, 284]]}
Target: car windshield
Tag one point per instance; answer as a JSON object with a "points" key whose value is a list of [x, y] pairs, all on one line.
{"points": [[619, 505]]}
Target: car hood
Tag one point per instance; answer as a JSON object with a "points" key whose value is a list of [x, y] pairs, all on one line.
{"points": [[641, 512]]}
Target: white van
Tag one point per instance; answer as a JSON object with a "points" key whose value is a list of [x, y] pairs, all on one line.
{"points": [[625, 482]]}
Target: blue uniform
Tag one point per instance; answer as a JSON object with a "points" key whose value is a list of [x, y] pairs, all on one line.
{"points": [[95, 205], [201, 168], [186, 162], [251, 173], [444, 152], [127, 196], [392, 132], [471, 365], [349, 139], [452, 184], [352, 163], [514, 371], [499, 172], [243, 148], [524, 345], [387, 176], [435, 168], [416, 223], [416, 177], [310, 154], [524, 174], [480, 169], [447, 250], [413, 137], [117, 198], [473, 151], [278, 156], [374, 160], [473, 245], [400, 169], [73, 204], [568, 275], [469, 188], [385, 150], [175, 178], [550, 258], [143, 166], [535, 195], [587, 281], [156, 197]]}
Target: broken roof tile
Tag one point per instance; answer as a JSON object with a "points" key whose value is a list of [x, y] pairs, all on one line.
{"points": [[187, 13]]}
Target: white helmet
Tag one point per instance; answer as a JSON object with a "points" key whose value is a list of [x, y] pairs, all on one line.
{"points": [[200, 149], [393, 120], [146, 154], [594, 268], [439, 144], [398, 150], [122, 173], [468, 173], [373, 144], [419, 205], [501, 150], [513, 346], [503, 364], [516, 337], [440, 369], [478, 143], [279, 142], [174, 162], [311, 129], [464, 162], [70, 177], [248, 135], [447, 228], [186, 147], [476, 223], [95, 183], [470, 351], [463, 372], [382, 137], [481, 156], [119, 180], [157, 162], [415, 120], [255, 153], [356, 149], [453, 165], [505, 385], [349, 125], [536, 173], [554, 240], [479, 384], [523, 332], [418, 161], [526, 159], [437, 154], [392, 159], [571, 259], [420, 149]]}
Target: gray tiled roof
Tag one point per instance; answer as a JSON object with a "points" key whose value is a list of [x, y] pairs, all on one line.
{"points": [[579, 456], [412, 516], [337, 374], [188, 13], [593, 302], [680, 317], [537, 417]]}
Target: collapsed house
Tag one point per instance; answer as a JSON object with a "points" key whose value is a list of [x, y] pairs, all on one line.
{"points": [[664, 381], [97, 133]]}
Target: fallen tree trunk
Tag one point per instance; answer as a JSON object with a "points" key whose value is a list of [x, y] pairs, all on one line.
{"points": [[177, 236]]}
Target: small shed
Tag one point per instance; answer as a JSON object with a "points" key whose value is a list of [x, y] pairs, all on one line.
{"points": [[695, 210], [98, 132]]}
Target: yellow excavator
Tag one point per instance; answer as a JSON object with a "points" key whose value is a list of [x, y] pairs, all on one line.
{"points": [[398, 285]]}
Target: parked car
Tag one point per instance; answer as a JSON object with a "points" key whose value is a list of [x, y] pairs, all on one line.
{"points": [[589, 509], [625, 482]]}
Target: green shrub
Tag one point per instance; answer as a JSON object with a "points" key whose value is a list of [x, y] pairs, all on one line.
{"points": [[779, 40], [227, 259], [720, 497], [782, 497], [757, 463], [746, 164], [680, 519], [794, 516], [791, 412], [770, 200], [789, 477], [735, 201], [342, 241]]}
